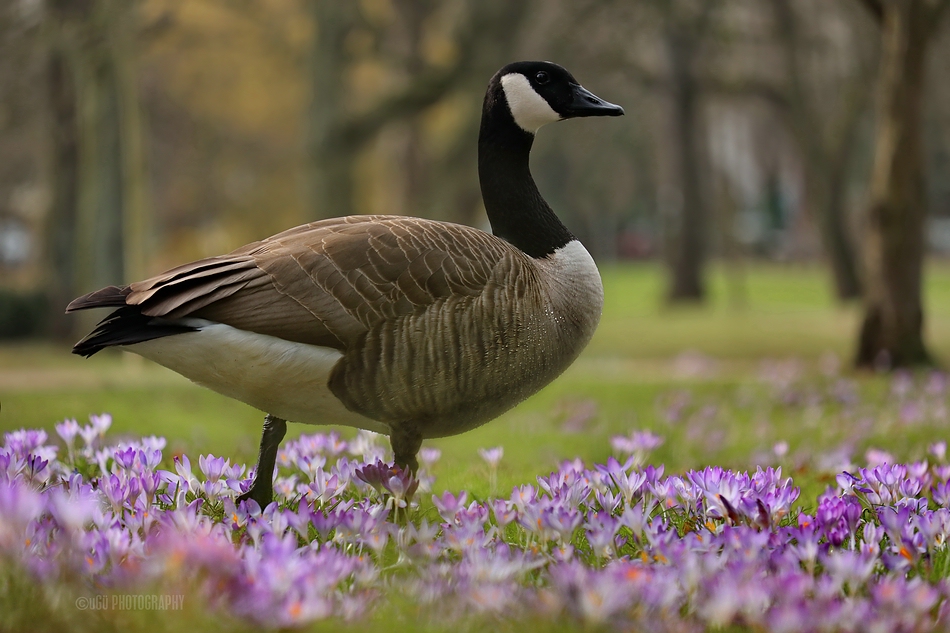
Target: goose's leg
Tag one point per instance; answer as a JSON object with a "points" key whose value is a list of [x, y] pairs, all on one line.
{"points": [[262, 489], [406, 441]]}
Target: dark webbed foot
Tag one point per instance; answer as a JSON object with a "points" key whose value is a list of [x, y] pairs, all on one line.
{"points": [[406, 441], [262, 488], [262, 496]]}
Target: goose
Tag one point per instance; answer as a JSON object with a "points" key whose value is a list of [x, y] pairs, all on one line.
{"points": [[408, 327]]}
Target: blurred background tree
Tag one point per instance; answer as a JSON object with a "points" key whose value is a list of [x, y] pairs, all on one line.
{"points": [[892, 331], [138, 134], [826, 74], [97, 214]]}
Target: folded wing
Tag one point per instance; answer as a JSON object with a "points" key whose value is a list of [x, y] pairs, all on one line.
{"points": [[324, 283]]}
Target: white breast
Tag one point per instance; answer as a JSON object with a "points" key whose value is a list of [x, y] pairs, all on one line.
{"points": [[572, 260], [575, 290], [573, 276], [285, 379]]}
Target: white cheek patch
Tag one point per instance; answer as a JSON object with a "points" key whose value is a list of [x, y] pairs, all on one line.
{"points": [[528, 108]]}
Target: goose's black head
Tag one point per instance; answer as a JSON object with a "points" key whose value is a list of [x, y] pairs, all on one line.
{"points": [[537, 93], [522, 97]]}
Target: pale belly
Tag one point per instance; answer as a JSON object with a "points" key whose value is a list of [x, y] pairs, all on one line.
{"points": [[285, 379]]}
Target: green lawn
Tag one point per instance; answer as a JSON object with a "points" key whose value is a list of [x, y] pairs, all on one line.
{"points": [[632, 371], [780, 311], [722, 385]]}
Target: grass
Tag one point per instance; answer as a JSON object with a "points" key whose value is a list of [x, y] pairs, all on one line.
{"points": [[634, 362], [781, 311], [646, 362]]}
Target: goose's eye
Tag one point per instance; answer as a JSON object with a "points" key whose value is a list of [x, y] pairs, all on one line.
{"points": [[541, 78]]}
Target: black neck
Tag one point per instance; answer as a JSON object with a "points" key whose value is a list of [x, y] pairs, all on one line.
{"points": [[516, 210]]}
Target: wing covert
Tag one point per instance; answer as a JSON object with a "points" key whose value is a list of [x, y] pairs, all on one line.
{"points": [[328, 282]]}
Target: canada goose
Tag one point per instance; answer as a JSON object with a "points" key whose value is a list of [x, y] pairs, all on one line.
{"points": [[408, 327]]}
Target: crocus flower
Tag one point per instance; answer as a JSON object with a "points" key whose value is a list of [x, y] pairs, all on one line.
{"points": [[602, 545], [492, 456]]}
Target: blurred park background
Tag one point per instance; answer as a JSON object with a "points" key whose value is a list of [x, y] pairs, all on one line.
{"points": [[780, 186]]}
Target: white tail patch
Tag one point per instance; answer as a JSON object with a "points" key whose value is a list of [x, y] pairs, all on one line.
{"points": [[279, 377], [528, 108]]}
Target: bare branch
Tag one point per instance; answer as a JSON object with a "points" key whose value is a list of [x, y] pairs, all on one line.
{"points": [[804, 121], [429, 85], [423, 91]]}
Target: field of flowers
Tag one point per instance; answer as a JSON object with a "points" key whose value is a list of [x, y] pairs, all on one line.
{"points": [[103, 534]]}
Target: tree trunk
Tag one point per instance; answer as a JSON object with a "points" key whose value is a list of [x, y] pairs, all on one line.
{"points": [[826, 198], [826, 141], [414, 15], [61, 222], [101, 255], [123, 25], [688, 255], [97, 224], [891, 334], [332, 160]]}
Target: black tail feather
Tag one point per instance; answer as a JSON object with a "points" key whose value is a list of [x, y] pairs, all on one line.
{"points": [[126, 326], [108, 297]]}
